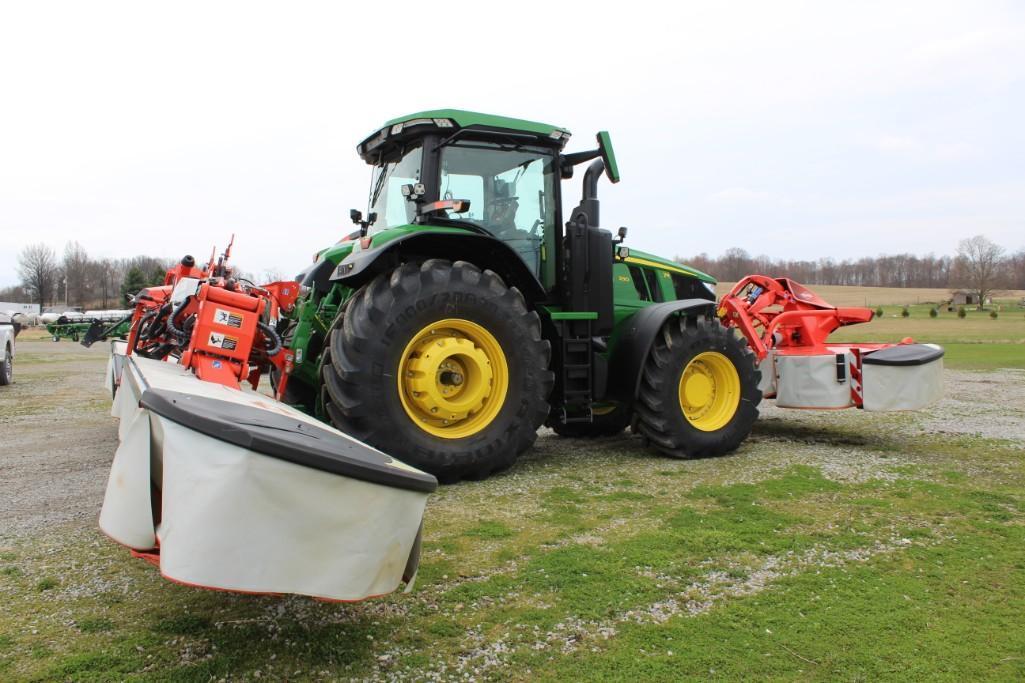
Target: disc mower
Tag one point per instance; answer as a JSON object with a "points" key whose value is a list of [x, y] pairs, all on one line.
{"points": [[464, 312]]}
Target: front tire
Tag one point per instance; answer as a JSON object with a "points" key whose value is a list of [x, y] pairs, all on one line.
{"points": [[699, 390], [442, 366]]}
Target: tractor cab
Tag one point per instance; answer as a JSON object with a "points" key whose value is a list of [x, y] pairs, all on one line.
{"points": [[492, 176]]}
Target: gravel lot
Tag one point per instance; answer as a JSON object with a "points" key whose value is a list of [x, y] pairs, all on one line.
{"points": [[58, 437]]}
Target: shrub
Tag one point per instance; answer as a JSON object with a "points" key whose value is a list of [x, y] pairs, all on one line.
{"points": [[933, 312], [961, 313], [879, 312], [905, 312], [46, 584], [993, 314]]}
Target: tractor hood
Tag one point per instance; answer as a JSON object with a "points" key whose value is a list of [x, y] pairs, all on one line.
{"points": [[641, 258]]}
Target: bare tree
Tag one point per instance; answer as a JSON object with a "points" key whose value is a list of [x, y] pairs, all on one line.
{"points": [[1017, 267], [735, 264], [105, 278], [15, 294], [980, 263], [76, 273], [273, 275], [38, 269]]}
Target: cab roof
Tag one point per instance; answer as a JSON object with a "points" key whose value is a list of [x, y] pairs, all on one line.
{"points": [[452, 121], [465, 119]]}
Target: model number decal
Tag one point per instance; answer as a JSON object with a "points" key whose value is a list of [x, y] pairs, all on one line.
{"points": [[223, 341], [227, 318]]}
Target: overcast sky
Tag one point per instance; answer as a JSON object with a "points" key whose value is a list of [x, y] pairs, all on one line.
{"points": [[789, 129]]}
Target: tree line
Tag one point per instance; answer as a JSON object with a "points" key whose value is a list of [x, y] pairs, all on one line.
{"points": [[979, 266], [76, 279]]}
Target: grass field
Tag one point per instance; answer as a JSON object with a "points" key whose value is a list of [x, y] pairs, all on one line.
{"points": [[975, 342]]}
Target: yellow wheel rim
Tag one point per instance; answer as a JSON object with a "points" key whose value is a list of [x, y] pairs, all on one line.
{"points": [[453, 378], [709, 391]]}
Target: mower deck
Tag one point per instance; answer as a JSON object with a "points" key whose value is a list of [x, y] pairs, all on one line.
{"points": [[228, 489]]}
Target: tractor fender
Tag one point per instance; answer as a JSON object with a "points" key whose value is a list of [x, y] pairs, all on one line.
{"points": [[487, 253], [631, 350]]}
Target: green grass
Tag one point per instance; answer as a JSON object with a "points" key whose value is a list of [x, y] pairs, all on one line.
{"points": [[984, 356], [975, 342], [719, 568]]}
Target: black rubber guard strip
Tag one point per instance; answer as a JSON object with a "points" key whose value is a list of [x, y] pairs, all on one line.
{"points": [[906, 354], [279, 436]]}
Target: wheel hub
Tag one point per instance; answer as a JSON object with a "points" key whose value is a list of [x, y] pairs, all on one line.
{"points": [[709, 391], [453, 378], [448, 377]]}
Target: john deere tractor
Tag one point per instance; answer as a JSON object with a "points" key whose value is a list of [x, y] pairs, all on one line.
{"points": [[466, 311]]}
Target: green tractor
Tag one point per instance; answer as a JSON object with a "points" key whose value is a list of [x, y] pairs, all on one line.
{"points": [[466, 311]]}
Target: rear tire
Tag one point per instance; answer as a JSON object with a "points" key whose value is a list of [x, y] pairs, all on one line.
{"points": [[664, 417], [380, 340], [7, 369]]}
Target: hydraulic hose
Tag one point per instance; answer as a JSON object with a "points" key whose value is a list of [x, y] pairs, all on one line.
{"points": [[274, 339], [142, 331], [180, 334], [155, 327], [157, 351]]}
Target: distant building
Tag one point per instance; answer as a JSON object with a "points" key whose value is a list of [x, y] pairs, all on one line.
{"points": [[963, 298], [25, 309]]}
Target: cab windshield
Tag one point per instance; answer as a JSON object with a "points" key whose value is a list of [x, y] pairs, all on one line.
{"points": [[386, 199], [510, 192]]}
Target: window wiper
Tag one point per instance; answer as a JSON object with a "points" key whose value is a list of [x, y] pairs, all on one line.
{"points": [[385, 172]]}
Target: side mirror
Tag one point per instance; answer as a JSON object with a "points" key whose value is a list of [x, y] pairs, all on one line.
{"points": [[608, 155], [621, 233], [453, 205], [356, 216]]}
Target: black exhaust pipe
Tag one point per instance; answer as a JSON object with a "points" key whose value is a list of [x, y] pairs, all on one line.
{"points": [[589, 199]]}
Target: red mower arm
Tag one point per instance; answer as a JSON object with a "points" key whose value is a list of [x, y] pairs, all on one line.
{"points": [[780, 313]]}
